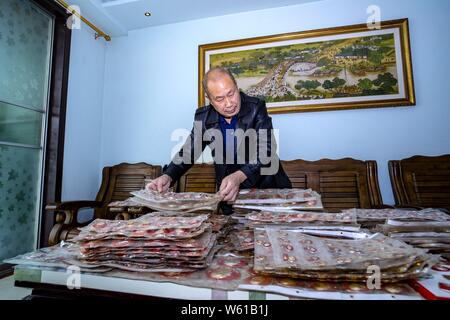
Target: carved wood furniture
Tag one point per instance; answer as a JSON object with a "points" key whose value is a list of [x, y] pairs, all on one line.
{"points": [[343, 184], [117, 183], [421, 181], [199, 178]]}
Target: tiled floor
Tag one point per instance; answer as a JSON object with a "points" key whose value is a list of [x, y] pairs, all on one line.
{"points": [[9, 292]]}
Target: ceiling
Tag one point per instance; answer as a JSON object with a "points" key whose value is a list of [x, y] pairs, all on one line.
{"points": [[117, 17]]}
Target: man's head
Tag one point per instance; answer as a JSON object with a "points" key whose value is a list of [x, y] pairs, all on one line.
{"points": [[222, 91]]}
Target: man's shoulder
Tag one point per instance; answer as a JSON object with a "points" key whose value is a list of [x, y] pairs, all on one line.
{"points": [[204, 113], [202, 110], [254, 105], [251, 100]]}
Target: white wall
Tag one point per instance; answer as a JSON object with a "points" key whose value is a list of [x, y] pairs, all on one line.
{"points": [[150, 89], [81, 168]]}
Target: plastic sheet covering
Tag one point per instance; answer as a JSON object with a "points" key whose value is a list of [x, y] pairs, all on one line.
{"points": [[58, 256], [302, 217], [172, 201], [158, 241], [427, 234], [277, 200], [381, 215], [294, 253], [270, 196], [149, 226]]}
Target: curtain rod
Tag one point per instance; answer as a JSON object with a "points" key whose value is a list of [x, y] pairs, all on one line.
{"points": [[99, 33]]}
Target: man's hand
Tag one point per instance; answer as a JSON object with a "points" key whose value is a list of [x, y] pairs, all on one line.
{"points": [[160, 184], [229, 188]]}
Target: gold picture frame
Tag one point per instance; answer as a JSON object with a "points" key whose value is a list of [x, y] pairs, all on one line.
{"points": [[348, 67]]}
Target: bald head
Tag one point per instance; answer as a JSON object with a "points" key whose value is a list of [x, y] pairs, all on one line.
{"points": [[223, 93], [215, 75]]}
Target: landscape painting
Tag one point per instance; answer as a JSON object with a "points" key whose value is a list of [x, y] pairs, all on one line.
{"points": [[341, 68]]}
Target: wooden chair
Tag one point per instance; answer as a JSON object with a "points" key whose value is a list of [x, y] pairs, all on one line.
{"points": [[343, 184], [421, 181], [199, 178], [117, 183]]}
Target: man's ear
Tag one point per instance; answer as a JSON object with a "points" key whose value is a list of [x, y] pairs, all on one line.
{"points": [[207, 97]]}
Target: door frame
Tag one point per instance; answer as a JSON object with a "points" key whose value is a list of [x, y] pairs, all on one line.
{"points": [[56, 122], [56, 116]]}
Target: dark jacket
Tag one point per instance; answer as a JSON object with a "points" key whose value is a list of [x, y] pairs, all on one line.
{"points": [[252, 115]]}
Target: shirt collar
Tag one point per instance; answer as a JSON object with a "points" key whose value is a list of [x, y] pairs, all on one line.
{"points": [[223, 122]]}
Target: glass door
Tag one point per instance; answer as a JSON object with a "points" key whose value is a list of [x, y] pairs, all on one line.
{"points": [[25, 68]]}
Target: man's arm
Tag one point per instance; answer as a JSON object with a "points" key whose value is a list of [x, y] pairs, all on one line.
{"points": [[190, 152]]}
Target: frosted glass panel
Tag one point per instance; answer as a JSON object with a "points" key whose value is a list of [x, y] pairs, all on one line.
{"points": [[19, 191], [25, 44], [20, 125], [25, 59]]}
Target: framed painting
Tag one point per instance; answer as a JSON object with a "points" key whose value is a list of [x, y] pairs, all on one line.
{"points": [[349, 67]]}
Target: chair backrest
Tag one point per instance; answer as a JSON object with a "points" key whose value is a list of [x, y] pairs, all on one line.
{"points": [[119, 180], [343, 184], [421, 181], [199, 178]]}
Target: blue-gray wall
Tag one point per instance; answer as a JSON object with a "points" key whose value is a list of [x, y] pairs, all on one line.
{"points": [[82, 165]]}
